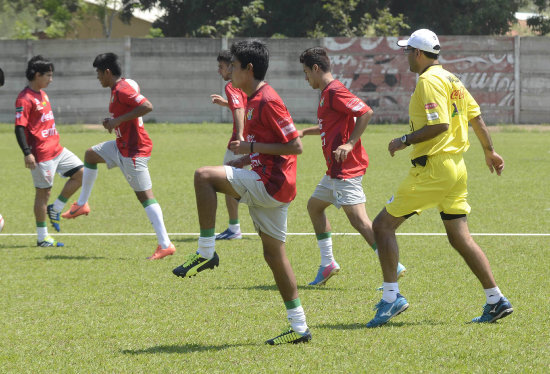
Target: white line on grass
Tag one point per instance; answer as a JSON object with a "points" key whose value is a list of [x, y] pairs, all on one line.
{"points": [[290, 234]]}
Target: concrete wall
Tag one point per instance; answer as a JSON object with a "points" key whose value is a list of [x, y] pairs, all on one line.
{"points": [[178, 75]]}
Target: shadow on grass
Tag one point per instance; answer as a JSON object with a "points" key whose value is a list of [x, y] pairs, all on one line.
{"points": [[184, 348], [273, 287], [363, 325], [195, 239], [62, 257], [4, 246]]}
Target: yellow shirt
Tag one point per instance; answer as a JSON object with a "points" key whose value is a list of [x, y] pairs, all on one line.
{"points": [[440, 97]]}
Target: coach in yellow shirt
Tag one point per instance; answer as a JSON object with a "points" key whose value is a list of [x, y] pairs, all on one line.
{"points": [[439, 112]]}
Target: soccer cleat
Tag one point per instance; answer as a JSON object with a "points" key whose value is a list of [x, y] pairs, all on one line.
{"points": [[194, 264], [492, 312], [386, 311], [54, 217], [161, 253], [400, 272], [49, 242], [324, 273], [229, 235], [76, 210], [290, 336]]}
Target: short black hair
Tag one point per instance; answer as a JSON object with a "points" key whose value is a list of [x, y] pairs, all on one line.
{"points": [[109, 61], [252, 52], [315, 56], [224, 56], [433, 56], [38, 64]]}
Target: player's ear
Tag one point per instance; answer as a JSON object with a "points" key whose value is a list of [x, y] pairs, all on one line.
{"points": [[250, 67]]}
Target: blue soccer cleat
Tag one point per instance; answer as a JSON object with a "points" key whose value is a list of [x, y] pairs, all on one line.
{"points": [[54, 217], [49, 242], [492, 312], [229, 235], [386, 311], [325, 273]]}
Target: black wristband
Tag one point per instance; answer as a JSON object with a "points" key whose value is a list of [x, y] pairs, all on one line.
{"points": [[26, 151], [251, 147]]}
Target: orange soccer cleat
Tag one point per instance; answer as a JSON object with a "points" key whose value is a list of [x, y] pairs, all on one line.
{"points": [[76, 210], [161, 253]]}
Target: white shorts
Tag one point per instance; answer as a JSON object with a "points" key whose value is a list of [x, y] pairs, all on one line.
{"points": [[135, 170], [230, 156], [340, 192], [63, 164], [268, 214]]}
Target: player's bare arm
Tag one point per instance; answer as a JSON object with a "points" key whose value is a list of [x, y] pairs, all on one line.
{"points": [[341, 153], [314, 130], [240, 162], [217, 99], [494, 161], [139, 111], [238, 118], [421, 135], [293, 147]]}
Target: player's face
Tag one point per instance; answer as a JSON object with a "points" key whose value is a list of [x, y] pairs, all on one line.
{"points": [[102, 77], [224, 69], [43, 80], [238, 74], [411, 56], [310, 77]]}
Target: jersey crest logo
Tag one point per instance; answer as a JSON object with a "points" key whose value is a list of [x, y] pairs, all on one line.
{"points": [[322, 102], [455, 111], [249, 114]]}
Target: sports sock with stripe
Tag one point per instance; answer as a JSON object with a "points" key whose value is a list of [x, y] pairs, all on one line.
{"points": [[390, 292], [493, 295], [154, 213], [324, 242], [41, 231], [296, 316], [207, 243], [88, 179], [59, 204]]}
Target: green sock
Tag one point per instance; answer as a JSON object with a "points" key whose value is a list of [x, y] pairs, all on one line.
{"points": [[234, 221], [374, 247], [41, 224], [90, 166], [61, 198], [148, 202], [323, 235], [205, 233], [293, 304]]}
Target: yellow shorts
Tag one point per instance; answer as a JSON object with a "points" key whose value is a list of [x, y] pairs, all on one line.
{"points": [[442, 183]]}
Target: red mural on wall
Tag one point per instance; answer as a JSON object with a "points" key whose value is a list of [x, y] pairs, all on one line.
{"points": [[376, 70]]}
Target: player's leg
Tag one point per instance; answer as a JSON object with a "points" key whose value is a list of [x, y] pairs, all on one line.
{"points": [[233, 230], [209, 180], [275, 256], [42, 176], [89, 175], [321, 225], [497, 306], [359, 219]]}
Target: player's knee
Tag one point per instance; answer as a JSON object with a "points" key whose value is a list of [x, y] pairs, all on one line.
{"points": [[201, 175]]}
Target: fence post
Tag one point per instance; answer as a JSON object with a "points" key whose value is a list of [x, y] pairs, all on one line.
{"points": [[223, 110], [127, 57], [517, 79], [29, 49]]}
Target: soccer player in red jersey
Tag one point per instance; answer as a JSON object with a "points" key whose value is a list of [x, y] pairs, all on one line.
{"points": [[236, 102], [342, 119], [39, 140], [130, 151], [271, 146]]}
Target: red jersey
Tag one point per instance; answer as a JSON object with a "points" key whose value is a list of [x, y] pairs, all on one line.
{"points": [[34, 112], [336, 115], [131, 138], [267, 121], [236, 99]]}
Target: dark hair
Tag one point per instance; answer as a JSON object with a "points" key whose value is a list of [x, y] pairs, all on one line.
{"points": [[109, 61], [38, 64], [224, 56], [433, 56], [252, 52], [315, 56]]}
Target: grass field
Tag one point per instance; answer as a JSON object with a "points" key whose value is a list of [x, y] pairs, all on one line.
{"points": [[96, 305]]}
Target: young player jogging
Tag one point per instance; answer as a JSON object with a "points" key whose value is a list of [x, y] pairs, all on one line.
{"points": [[130, 151]]}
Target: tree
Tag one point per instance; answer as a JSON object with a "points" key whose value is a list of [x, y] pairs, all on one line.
{"points": [[106, 10], [540, 23]]}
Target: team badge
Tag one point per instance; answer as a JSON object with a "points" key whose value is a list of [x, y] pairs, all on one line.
{"points": [[322, 102], [455, 111], [249, 114]]}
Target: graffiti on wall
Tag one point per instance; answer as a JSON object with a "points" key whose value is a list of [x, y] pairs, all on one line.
{"points": [[376, 70]]}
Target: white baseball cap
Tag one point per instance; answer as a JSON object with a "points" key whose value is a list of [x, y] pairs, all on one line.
{"points": [[422, 39]]}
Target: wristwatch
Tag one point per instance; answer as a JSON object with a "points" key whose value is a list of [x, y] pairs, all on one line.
{"points": [[404, 140]]}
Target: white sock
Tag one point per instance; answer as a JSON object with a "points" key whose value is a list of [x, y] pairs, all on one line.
{"points": [[390, 292], [297, 319], [325, 247], [41, 233], [207, 246], [235, 228], [88, 179], [154, 212], [493, 295], [58, 205]]}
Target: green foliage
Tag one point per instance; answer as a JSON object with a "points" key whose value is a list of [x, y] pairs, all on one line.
{"points": [[97, 306], [541, 23], [155, 32]]}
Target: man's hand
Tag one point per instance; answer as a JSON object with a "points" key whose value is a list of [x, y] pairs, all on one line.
{"points": [[341, 153], [110, 123], [239, 147], [396, 145], [494, 161], [217, 99], [30, 162]]}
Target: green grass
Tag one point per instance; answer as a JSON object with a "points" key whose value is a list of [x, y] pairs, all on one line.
{"points": [[96, 306]]}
